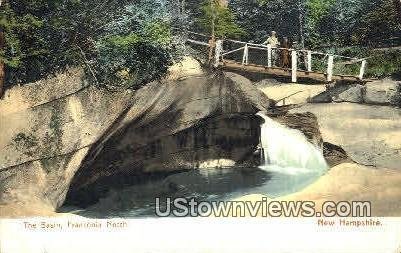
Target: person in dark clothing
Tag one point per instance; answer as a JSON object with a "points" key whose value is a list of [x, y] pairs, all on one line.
{"points": [[285, 54]]}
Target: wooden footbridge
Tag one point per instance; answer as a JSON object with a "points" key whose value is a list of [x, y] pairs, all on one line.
{"points": [[265, 59]]}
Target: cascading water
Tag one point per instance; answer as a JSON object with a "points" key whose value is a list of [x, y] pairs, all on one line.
{"points": [[287, 150]]}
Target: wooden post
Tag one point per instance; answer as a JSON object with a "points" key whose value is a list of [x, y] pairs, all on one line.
{"points": [[309, 61], [269, 55], [218, 52], [362, 70], [330, 65], [245, 56], [294, 66]]}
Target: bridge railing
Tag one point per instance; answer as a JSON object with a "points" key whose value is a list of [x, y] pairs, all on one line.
{"points": [[297, 60]]}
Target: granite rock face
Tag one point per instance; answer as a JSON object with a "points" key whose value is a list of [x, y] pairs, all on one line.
{"points": [[57, 144], [355, 94], [305, 122], [72, 143], [46, 134], [369, 134], [381, 92], [178, 125]]}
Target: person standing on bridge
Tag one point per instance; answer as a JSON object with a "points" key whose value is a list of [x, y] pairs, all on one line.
{"points": [[285, 54], [272, 40]]}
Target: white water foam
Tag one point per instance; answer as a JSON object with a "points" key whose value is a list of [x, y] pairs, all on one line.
{"points": [[287, 150]]}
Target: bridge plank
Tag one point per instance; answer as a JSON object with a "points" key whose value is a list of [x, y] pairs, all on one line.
{"points": [[319, 76]]}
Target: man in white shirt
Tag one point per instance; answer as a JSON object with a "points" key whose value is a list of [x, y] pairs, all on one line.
{"points": [[272, 40], [274, 43]]}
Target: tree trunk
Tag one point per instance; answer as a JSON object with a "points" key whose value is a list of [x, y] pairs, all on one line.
{"points": [[397, 5], [2, 46], [301, 24], [212, 41], [2, 65], [182, 9]]}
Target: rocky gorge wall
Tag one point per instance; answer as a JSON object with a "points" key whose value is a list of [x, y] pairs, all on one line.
{"points": [[46, 130], [186, 124], [62, 137], [52, 129]]}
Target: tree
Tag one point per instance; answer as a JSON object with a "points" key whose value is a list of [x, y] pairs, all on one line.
{"points": [[137, 47], [218, 20], [260, 17], [397, 6], [377, 23], [2, 64], [320, 23], [21, 42], [43, 37], [316, 10]]}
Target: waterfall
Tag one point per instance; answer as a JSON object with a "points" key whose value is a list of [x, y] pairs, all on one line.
{"points": [[287, 150]]}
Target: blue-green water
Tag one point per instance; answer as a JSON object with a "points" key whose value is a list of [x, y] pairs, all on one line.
{"points": [[289, 164], [204, 184]]}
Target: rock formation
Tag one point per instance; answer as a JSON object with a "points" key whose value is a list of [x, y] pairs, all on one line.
{"points": [[181, 124], [62, 137], [56, 141], [381, 92], [370, 134]]}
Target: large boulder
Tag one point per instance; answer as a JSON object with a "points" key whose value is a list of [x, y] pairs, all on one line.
{"points": [[369, 134], [57, 144], [340, 92], [353, 95], [184, 124], [305, 122], [331, 91], [383, 92], [289, 93]]}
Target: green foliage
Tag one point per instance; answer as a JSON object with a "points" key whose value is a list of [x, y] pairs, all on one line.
{"points": [[380, 62], [220, 19], [259, 17], [33, 47], [158, 33], [15, 27], [46, 36], [131, 60], [384, 64], [316, 10], [322, 23], [378, 21], [137, 47]]}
